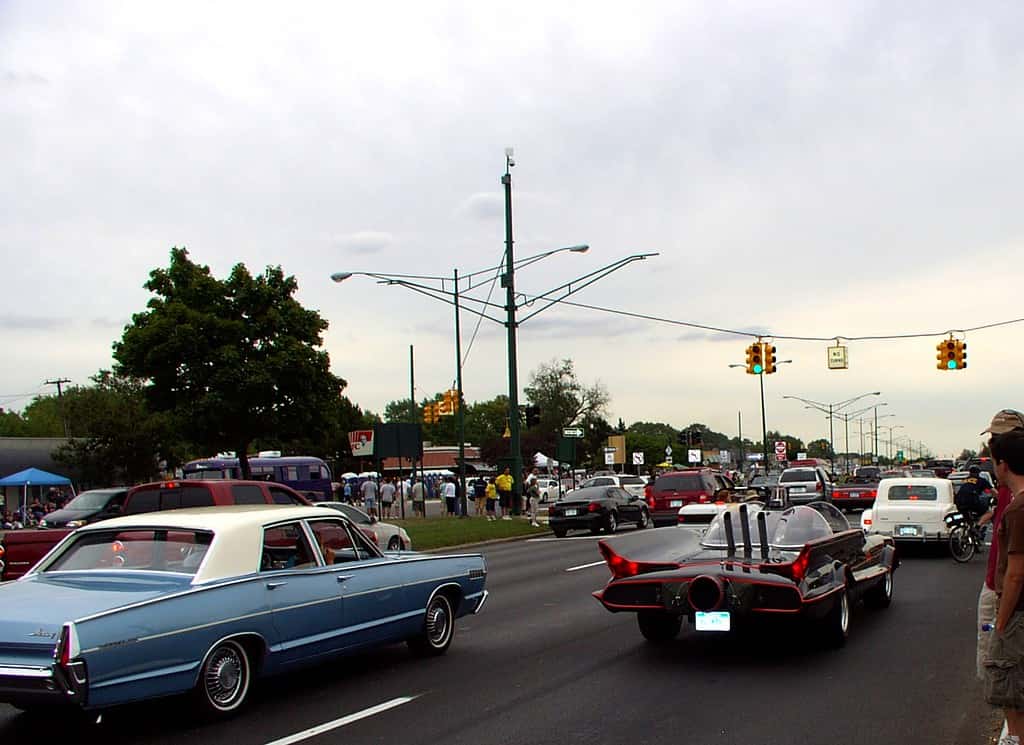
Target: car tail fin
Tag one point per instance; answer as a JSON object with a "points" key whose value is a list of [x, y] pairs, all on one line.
{"points": [[622, 567]]}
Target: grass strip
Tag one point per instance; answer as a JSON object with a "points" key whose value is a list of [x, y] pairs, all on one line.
{"points": [[439, 532]]}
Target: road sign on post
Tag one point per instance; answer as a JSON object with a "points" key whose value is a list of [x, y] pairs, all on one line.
{"points": [[609, 457], [638, 459], [693, 455], [574, 432]]}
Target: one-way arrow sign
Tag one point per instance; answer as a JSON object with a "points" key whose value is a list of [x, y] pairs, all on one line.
{"points": [[572, 432]]}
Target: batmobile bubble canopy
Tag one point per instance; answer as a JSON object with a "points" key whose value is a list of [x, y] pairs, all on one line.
{"points": [[786, 530]]}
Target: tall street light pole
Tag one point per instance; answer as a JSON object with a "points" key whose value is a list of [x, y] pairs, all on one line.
{"points": [[460, 414], [508, 282]]}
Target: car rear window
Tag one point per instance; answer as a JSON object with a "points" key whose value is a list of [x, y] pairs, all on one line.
{"points": [[247, 494], [803, 474], [152, 500], [682, 482], [915, 492], [630, 480], [598, 481]]}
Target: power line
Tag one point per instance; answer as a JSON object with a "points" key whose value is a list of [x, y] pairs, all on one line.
{"points": [[787, 337]]}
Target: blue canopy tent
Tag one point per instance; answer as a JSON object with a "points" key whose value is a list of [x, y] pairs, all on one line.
{"points": [[33, 477]]}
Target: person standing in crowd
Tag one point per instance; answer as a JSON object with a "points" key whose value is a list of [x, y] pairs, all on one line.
{"points": [[479, 495], [1004, 666], [369, 493], [448, 492], [1007, 420], [387, 497], [490, 496], [533, 500], [418, 493], [503, 484]]}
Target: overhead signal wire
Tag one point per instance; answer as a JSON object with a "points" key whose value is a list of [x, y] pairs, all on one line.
{"points": [[788, 337]]}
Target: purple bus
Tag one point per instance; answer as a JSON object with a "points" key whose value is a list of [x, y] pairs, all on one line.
{"points": [[305, 474]]}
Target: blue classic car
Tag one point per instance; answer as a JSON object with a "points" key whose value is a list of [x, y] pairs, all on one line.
{"points": [[206, 600]]}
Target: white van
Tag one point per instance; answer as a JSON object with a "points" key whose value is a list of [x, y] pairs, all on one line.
{"points": [[910, 509]]}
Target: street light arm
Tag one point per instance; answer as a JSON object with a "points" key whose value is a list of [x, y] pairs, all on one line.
{"points": [[847, 402], [817, 404], [574, 286], [471, 277], [445, 297], [861, 411]]}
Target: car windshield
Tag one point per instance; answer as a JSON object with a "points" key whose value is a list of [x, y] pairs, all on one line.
{"points": [[797, 474], [922, 473], [913, 493], [786, 530], [679, 482], [149, 549], [89, 500]]}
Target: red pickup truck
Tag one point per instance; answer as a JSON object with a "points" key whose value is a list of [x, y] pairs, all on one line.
{"points": [[21, 549]]}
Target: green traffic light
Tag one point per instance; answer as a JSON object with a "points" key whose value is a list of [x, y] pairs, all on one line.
{"points": [[758, 369], [951, 364]]}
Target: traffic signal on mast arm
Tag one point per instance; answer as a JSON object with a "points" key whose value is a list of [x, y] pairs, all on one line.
{"points": [[755, 361], [429, 414], [946, 355], [961, 355], [455, 400], [446, 403], [769, 358]]}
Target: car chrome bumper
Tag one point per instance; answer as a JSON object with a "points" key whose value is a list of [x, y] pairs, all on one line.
{"points": [[29, 685], [480, 605]]}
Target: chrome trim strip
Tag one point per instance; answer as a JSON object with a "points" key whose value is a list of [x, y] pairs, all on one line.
{"points": [[26, 672], [483, 599], [389, 588]]}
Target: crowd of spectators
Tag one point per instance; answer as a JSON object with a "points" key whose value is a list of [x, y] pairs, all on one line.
{"points": [[31, 515]]}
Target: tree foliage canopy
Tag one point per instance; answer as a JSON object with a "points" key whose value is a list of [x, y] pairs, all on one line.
{"points": [[232, 361]]}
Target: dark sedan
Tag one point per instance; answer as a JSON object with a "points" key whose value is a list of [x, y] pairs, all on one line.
{"points": [[597, 508]]}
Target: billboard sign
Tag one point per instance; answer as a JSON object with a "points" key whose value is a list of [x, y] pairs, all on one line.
{"points": [[361, 442]]}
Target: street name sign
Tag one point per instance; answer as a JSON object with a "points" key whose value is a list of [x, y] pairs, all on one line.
{"points": [[576, 432]]}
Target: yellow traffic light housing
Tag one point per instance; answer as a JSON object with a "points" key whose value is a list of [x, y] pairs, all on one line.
{"points": [[445, 405], [948, 354], [429, 414], [769, 358], [961, 355], [755, 360], [455, 400]]}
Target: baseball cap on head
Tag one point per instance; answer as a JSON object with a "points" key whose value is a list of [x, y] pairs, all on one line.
{"points": [[1006, 420]]}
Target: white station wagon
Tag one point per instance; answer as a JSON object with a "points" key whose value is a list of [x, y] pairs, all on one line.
{"points": [[910, 509]]}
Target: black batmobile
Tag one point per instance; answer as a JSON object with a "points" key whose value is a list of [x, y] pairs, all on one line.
{"points": [[751, 564]]}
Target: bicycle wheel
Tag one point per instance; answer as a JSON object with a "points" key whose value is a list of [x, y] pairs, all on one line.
{"points": [[961, 543]]}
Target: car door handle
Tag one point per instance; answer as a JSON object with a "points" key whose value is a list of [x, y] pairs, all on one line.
{"points": [[275, 585], [342, 577]]}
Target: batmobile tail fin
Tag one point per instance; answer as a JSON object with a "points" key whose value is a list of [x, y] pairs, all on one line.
{"points": [[622, 567]]}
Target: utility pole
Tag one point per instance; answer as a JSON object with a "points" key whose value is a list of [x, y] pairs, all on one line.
{"points": [[508, 282], [739, 427], [463, 502], [60, 400]]}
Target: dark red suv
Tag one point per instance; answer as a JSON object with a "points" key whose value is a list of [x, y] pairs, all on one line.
{"points": [[676, 489]]}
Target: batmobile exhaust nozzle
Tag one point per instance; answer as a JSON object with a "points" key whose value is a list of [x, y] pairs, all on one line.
{"points": [[729, 538], [705, 593], [748, 549]]}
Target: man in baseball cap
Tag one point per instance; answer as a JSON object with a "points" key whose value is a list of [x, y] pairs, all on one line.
{"points": [[1005, 420]]}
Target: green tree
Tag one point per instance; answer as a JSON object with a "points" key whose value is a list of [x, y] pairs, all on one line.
{"points": [[232, 361], [562, 398], [966, 454], [12, 424], [819, 449]]}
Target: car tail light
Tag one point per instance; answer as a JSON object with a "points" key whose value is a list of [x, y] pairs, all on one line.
{"points": [[170, 485], [867, 521], [703, 499], [622, 567], [795, 570], [67, 646], [681, 518], [817, 486], [871, 494], [594, 507]]}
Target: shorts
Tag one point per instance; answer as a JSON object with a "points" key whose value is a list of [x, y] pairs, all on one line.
{"points": [[1004, 668], [370, 504], [490, 505]]}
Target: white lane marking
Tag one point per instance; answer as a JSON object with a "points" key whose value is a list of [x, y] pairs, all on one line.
{"points": [[328, 726], [585, 566]]}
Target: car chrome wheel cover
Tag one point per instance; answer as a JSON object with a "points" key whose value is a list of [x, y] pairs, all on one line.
{"points": [[439, 622], [395, 544], [644, 518], [612, 524], [844, 614], [226, 677], [887, 585]]}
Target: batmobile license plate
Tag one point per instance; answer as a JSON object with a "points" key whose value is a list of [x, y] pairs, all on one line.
{"points": [[676, 503], [571, 513], [908, 531], [718, 620]]}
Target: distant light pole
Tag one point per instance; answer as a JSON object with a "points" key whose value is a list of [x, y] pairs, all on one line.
{"points": [[846, 426], [830, 409], [764, 425]]}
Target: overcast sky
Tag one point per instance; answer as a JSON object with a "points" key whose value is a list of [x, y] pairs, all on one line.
{"points": [[803, 169]]}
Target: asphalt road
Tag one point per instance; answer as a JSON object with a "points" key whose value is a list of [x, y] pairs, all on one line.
{"points": [[544, 663]]}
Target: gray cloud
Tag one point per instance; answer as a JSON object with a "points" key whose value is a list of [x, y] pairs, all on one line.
{"points": [[483, 206], [33, 323], [364, 242], [15, 77]]}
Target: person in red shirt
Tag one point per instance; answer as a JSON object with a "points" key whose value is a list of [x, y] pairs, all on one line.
{"points": [[1006, 420]]}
